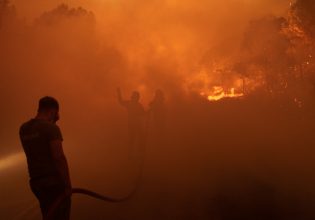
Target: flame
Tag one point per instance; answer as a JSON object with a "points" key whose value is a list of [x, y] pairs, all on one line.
{"points": [[209, 84], [219, 93]]}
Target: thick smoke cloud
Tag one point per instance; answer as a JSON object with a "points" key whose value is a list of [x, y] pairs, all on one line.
{"points": [[137, 45], [218, 159]]}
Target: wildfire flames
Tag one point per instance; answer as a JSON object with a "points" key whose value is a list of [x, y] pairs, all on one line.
{"points": [[219, 93], [208, 85]]}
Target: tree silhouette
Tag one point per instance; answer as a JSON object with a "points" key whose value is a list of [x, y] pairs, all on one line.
{"points": [[64, 12], [303, 21], [303, 12], [265, 49]]}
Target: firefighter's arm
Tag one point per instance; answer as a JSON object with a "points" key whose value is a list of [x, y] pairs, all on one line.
{"points": [[61, 162]]}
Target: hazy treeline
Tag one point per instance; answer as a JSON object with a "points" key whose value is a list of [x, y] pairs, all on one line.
{"points": [[248, 158]]}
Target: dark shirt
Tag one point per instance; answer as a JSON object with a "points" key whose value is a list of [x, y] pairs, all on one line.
{"points": [[36, 136]]}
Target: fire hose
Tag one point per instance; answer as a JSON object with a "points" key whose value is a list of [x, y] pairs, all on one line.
{"points": [[96, 195], [89, 193]]}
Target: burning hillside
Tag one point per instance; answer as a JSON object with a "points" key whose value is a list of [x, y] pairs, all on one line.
{"points": [[236, 80]]}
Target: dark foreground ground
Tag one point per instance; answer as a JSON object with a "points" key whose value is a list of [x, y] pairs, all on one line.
{"points": [[235, 159]]}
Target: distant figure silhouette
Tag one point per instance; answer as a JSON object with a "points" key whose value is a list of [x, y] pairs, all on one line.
{"points": [[158, 115], [47, 165], [136, 122]]}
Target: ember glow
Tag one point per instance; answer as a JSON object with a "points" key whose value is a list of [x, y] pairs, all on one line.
{"points": [[237, 79], [219, 93], [204, 84]]}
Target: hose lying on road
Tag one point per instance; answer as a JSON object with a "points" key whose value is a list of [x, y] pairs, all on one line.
{"points": [[95, 195], [87, 192]]}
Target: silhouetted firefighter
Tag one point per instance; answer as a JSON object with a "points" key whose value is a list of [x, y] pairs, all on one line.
{"points": [[158, 116], [47, 165], [136, 122]]}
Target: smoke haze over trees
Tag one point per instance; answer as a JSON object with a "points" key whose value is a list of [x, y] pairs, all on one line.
{"points": [[249, 157]]}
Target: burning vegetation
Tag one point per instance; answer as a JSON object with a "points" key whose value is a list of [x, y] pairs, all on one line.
{"points": [[239, 88], [275, 54], [276, 57]]}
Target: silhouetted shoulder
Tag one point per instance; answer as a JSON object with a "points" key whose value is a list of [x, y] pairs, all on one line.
{"points": [[40, 128]]}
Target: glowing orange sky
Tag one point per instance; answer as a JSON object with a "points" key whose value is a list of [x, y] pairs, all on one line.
{"points": [[157, 31], [32, 8]]}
